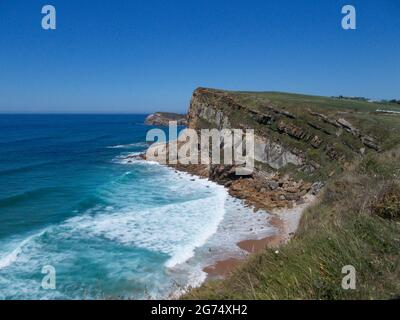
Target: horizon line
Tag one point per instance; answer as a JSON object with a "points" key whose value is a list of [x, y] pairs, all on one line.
{"points": [[76, 113]]}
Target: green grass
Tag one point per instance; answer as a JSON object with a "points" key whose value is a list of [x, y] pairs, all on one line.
{"points": [[385, 129], [298, 102], [343, 228]]}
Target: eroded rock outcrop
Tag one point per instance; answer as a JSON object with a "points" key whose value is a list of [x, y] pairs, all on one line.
{"points": [[274, 154], [210, 109], [292, 143], [163, 119]]}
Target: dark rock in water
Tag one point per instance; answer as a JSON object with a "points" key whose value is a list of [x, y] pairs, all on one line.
{"points": [[163, 119]]}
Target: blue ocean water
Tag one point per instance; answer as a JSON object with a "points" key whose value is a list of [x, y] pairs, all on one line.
{"points": [[110, 229]]}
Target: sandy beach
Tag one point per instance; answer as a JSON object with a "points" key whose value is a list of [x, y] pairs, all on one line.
{"points": [[284, 220]]}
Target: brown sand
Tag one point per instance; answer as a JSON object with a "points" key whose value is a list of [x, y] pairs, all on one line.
{"points": [[254, 246], [222, 268]]}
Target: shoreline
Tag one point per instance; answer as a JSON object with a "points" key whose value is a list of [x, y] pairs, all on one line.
{"points": [[284, 220], [284, 214]]}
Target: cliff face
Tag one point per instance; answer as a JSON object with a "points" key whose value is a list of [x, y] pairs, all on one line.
{"points": [[213, 109], [300, 141], [310, 137]]}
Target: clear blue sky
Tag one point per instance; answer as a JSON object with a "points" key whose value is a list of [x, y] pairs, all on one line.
{"points": [[142, 56]]}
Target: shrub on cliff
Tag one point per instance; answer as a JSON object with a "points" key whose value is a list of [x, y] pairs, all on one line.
{"points": [[387, 202]]}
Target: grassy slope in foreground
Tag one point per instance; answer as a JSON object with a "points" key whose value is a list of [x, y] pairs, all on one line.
{"points": [[355, 222]]}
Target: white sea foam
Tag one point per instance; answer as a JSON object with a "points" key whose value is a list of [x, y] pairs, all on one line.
{"points": [[129, 158], [10, 257], [189, 220], [129, 145], [239, 223], [175, 229], [218, 234]]}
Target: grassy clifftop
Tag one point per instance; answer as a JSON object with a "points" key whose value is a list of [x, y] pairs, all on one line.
{"points": [[356, 220], [327, 133]]}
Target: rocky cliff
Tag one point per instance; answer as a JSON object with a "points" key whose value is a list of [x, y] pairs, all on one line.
{"points": [[351, 148], [301, 141], [163, 119], [309, 137]]}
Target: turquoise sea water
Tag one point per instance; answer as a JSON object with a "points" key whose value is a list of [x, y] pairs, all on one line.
{"points": [[111, 229]]}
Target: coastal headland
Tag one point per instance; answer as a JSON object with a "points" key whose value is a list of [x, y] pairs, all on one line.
{"points": [[303, 144]]}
